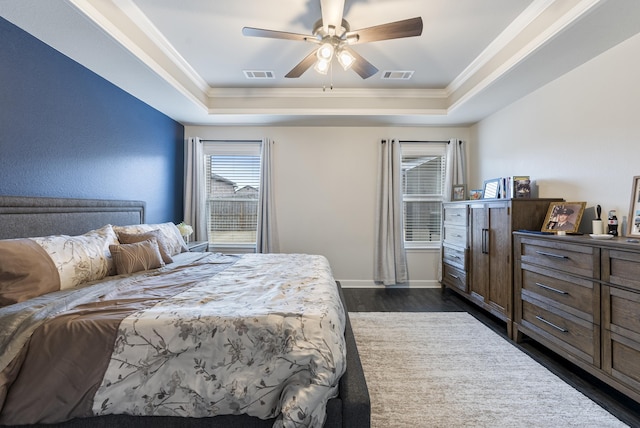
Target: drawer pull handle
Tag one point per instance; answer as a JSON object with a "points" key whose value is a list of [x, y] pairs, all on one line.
{"points": [[551, 324], [485, 241], [455, 257], [555, 290], [557, 256], [454, 276]]}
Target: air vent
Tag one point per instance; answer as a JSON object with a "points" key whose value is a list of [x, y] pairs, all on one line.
{"points": [[397, 75], [258, 74]]}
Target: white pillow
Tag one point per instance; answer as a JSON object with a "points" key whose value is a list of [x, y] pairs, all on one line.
{"points": [[172, 238], [81, 258]]}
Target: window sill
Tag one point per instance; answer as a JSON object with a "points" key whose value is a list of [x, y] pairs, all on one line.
{"points": [[430, 248]]}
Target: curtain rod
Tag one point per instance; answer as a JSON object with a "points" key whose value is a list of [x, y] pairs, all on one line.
{"points": [[422, 141], [231, 141], [426, 142]]}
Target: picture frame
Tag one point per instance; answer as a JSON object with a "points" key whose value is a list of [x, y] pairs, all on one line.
{"points": [[563, 216], [633, 221], [458, 192], [475, 194], [491, 189]]}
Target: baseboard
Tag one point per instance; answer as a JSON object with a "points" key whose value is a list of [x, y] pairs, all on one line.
{"points": [[356, 283]]}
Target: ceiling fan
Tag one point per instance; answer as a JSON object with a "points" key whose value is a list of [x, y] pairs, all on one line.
{"points": [[334, 37]]}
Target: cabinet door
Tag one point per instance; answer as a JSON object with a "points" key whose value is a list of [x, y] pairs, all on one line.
{"points": [[499, 287], [479, 252], [490, 272]]}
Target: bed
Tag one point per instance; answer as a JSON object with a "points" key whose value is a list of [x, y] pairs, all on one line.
{"points": [[137, 331]]}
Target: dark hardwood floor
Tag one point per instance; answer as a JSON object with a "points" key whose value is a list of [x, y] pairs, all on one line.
{"points": [[444, 300]]}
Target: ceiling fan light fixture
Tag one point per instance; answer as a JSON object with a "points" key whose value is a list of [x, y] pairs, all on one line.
{"points": [[325, 52], [322, 66], [346, 59]]}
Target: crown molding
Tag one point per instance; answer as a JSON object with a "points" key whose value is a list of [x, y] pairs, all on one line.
{"points": [[322, 93], [125, 23]]}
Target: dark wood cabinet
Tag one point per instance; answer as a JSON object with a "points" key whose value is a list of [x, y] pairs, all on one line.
{"points": [[484, 237], [490, 276], [580, 297]]}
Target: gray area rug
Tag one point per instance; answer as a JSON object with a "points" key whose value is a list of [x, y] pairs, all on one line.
{"points": [[447, 369]]}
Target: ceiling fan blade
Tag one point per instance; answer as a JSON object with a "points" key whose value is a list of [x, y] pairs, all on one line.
{"points": [[361, 66], [332, 11], [393, 30], [303, 65], [259, 32]]}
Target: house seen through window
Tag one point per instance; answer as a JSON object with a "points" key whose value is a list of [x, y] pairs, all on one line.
{"points": [[232, 172], [423, 177]]}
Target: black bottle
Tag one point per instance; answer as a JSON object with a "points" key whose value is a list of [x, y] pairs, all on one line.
{"points": [[613, 223]]}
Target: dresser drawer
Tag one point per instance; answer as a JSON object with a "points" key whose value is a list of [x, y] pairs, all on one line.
{"points": [[454, 277], [576, 259], [454, 235], [454, 256], [456, 215], [572, 334], [621, 268], [621, 359], [578, 296], [621, 311], [621, 335]]}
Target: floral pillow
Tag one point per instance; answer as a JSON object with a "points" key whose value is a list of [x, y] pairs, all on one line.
{"points": [[81, 258], [171, 235]]}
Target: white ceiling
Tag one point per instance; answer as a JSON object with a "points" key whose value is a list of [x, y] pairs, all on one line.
{"points": [[186, 58]]}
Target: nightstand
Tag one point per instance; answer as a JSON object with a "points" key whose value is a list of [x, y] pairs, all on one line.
{"points": [[198, 246]]}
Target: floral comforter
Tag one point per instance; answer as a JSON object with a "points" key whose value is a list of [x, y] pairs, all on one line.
{"points": [[260, 334]]}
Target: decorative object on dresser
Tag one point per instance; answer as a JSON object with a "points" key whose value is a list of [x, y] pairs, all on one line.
{"points": [[491, 189], [477, 249], [521, 186], [580, 297], [475, 194], [458, 192], [563, 217], [633, 221]]}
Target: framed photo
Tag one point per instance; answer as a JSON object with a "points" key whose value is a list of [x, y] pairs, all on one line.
{"points": [[563, 216], [633, 221], [475, 194], [458, 193], [491, 189]]}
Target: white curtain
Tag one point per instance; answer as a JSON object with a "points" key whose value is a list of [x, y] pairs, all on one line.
{"points": [[267, 237], [194, 189], [456, 172], [390, 260]]}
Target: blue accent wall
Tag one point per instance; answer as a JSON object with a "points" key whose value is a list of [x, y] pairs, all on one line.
{"points": [[67, 132]]}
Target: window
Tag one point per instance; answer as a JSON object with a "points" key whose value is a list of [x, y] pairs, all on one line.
{"points": [[232, 177], [423, 176]]}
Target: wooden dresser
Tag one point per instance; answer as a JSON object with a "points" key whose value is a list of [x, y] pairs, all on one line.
{"points": [[580, 297], [477, 252]]}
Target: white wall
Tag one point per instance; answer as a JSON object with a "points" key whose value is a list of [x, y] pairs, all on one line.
{"points": [[577, 137], [325, 189]]}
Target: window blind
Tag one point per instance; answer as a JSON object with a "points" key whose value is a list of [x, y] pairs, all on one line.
{"points": [[233, 188], [423, 177]]}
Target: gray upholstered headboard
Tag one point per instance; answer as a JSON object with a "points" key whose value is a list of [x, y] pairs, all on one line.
{"points": [[24, 216]]}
